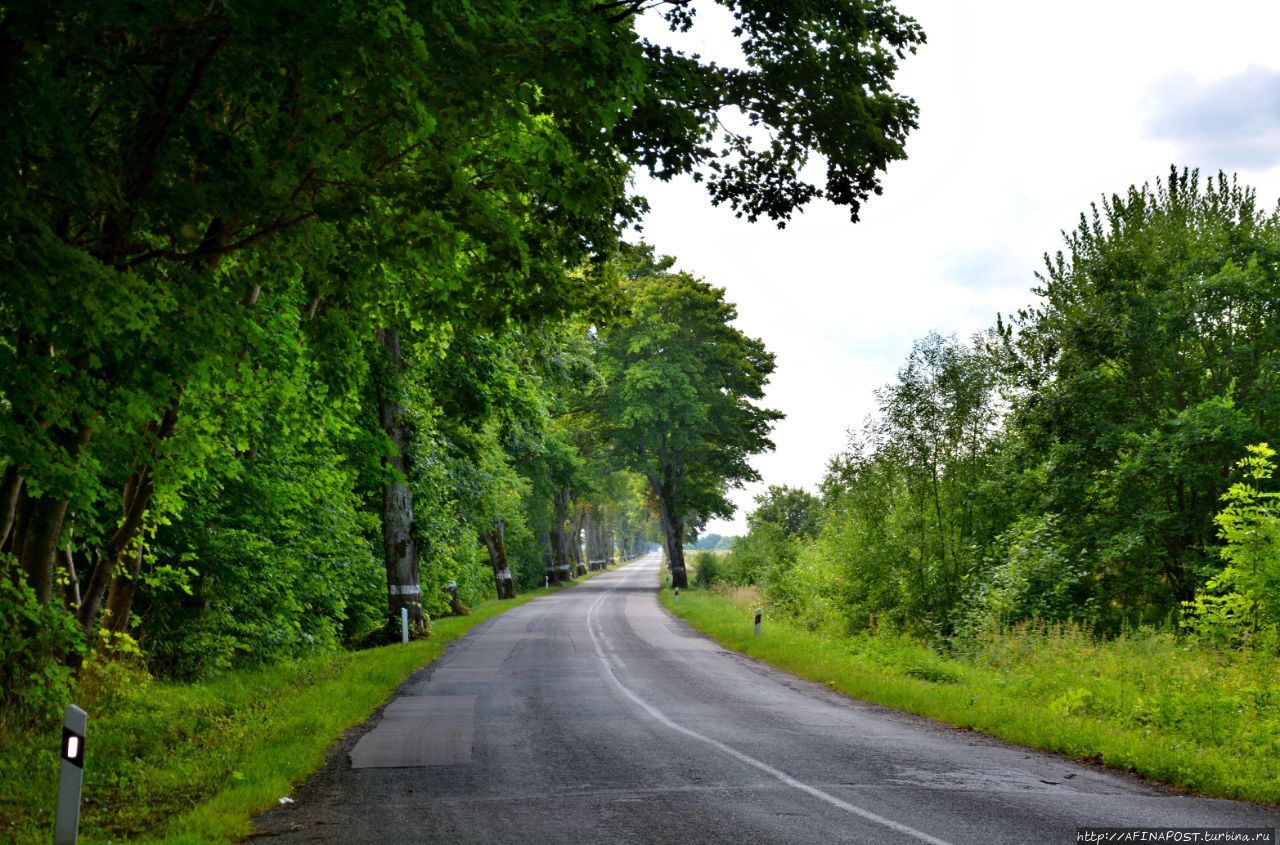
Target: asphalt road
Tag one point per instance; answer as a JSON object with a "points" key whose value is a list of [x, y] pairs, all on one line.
{"points": [[593, 716]]}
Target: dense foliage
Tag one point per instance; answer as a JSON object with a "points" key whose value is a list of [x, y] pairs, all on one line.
{"points": [[300, 303], [1091, 460]]}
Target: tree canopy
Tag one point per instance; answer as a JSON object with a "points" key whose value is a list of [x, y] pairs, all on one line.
{"points": [[794, 511], [680, 403]]}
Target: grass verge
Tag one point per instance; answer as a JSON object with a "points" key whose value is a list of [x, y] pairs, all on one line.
{"points": [[1148, 703], [194, 762]]}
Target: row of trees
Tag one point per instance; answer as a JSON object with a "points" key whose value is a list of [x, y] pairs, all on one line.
{"points": [[1088, 459], [294, 292], [494, 459]]}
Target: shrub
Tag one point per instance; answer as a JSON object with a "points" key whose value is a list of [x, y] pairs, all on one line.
{"points": [[1243, 599], [1029, 575], [35, 640], [707, 569]]}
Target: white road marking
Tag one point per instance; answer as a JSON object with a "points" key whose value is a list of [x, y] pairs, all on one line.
{"points": [[780, 775]]}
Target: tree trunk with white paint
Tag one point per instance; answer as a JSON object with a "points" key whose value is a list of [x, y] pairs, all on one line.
{"points": [[495, 541], [399, 547], [575, 544], [560, 535]]}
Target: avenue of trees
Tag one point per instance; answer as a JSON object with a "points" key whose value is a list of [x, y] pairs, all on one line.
{"points": [[309, 309], [1098, 458]]}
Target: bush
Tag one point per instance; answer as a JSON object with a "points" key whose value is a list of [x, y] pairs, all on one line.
{"points": [[35, 640], [1029, 575], [1243, 599], [268, 559], [706, 567], [761, 556]]}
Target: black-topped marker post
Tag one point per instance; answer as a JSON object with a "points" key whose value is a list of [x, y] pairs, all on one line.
{"points": [[67, 826]]}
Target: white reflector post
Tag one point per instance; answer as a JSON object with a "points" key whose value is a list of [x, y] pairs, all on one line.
{"points": [[67, 826], [759, 612], [404, 625]]}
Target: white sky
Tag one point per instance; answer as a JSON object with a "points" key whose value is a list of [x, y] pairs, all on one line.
{"points": [[1029, 111]]}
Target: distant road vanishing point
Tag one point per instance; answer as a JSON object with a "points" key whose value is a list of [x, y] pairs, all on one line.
{"points": [[592, 716]]}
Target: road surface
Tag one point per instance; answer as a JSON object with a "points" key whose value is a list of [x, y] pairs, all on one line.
{"points": [[592, 716]]}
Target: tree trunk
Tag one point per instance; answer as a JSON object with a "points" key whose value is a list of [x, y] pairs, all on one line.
{"points": [[588, 525], [137, 497], [559, 536], [595, 543], [139, 489], [599, 556], [456, 607], [567, 541], [555, 542], [124, 584], [605, 541], [40, 545], [548, 556], [673, 537], [22, 510], [71, 593], [37, 548], [400, 551], [495, 541], [593, 527], [675, 553], [500, 535], [10, 492], [575, 546]]}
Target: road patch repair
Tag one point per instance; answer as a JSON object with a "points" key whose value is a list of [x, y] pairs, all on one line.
{"points": [[419, 730]]}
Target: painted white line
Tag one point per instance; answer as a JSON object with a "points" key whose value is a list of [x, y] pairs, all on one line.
{"points": [[780, 775]]}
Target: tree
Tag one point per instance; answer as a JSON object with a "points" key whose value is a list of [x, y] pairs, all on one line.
{"points": [[796, 512], [1149, 368], [498, 502], [679, 403], [937, 422], [912, 504], [399, 543]]}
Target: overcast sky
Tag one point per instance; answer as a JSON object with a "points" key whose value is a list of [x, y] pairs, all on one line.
{"points": [[1029, 111]]}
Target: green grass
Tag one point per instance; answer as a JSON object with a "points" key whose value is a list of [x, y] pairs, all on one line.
{"points": [[194, 762], [1148, 702]]}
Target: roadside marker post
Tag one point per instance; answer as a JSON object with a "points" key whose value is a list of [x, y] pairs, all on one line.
{"points": [[67, 826], [404, 625], [677, 594], [759, 612]]}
